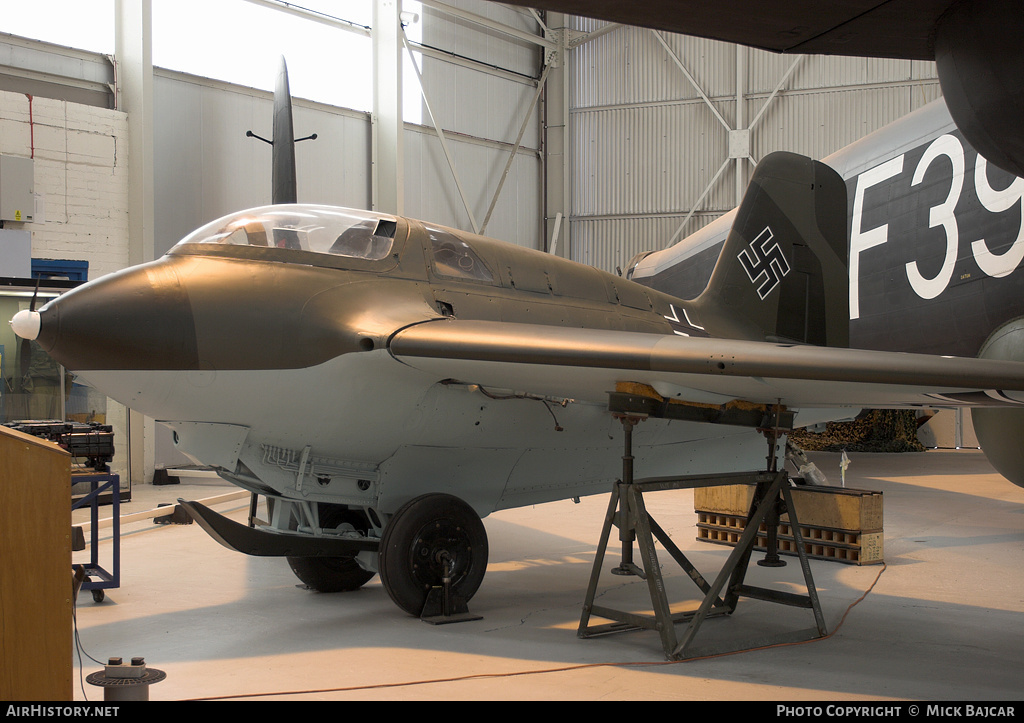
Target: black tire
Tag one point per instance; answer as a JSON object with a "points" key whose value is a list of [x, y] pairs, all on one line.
{"points": [[416, 541], [334, 574], [330, 574]]}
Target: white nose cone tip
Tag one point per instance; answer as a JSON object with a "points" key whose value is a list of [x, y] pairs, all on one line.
{"points": [[26, 324]]}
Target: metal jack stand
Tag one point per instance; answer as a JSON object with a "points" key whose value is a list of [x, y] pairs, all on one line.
{"points": [[627, 511]]}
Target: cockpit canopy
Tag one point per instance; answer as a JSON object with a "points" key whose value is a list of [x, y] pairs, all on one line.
{"points": [[319, 229]]}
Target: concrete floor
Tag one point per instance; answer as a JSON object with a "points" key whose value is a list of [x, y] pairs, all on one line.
{"points": [[942, 619]]}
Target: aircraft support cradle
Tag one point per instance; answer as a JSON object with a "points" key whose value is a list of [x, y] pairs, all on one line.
{"points": [[628, 512]]}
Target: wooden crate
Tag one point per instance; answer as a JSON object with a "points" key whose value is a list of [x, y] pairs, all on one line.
{"points": [[839, 524]]}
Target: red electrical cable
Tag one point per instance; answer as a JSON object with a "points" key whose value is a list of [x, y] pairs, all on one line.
{"points": [[31, 128], [546, 671]]}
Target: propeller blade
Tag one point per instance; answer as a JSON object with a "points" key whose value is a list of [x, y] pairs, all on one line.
{"points": [[26, 360], [35, 294], [25, 347]]}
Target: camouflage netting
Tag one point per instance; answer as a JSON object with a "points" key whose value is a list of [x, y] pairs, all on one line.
{"points": [[881, 430]]}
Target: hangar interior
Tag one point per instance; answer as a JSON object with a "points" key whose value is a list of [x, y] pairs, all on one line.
{"points": [[589, 140], [625, 141]]}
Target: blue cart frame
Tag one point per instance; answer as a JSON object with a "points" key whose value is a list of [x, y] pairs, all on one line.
{"points": [[105, 579]]}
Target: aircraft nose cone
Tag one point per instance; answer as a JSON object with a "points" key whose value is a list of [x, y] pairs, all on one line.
{"points": [[26, 324], [136, 319]]}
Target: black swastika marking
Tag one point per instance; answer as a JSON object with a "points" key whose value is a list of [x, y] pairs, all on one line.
{"points": [[764, 263]]}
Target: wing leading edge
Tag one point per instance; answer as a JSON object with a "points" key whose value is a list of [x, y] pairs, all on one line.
{"points": [[587, 364]]}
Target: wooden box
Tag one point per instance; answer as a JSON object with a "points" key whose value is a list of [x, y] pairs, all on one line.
{"points": [[836, 523]]}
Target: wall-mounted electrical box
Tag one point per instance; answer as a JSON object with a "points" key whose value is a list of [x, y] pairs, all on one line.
{"points": [[17, 183], [16, 253]]}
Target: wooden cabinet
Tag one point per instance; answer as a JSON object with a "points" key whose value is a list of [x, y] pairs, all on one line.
{"points": [[35, 569]]}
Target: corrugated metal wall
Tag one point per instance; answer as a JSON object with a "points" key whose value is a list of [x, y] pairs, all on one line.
{"points": [[646, 145], [481, 105], [207, 167]]}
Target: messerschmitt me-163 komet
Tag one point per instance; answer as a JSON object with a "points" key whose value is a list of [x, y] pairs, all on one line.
{"points": [[384, 383], [373, 376]]}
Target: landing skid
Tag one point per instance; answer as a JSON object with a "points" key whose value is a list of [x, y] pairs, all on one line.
{"points": [[432, 556], [254, 541]]}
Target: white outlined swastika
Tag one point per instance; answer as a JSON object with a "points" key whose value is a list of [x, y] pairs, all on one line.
{"points": [[764, 263]]}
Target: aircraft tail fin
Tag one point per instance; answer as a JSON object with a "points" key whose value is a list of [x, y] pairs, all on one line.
{"points": [[782, 273]]}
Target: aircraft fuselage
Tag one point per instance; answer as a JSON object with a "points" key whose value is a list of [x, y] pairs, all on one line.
{"points": [[271, 363]]}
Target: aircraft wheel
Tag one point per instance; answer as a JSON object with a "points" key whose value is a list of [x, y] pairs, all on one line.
{"points": [[334, 574], [423, 536]]}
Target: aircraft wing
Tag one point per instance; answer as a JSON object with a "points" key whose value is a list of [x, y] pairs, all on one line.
{"points": [[587, 364], [873, 28], [975, 44]]}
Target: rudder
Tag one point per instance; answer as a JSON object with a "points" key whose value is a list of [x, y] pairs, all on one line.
{"points": [[782, 274]]}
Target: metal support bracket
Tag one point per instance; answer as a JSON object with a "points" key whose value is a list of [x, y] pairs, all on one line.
{"points": [[444, 606], [627, 511]]}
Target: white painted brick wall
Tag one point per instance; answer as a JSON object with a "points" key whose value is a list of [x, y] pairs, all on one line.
{"points": [[81, 172]]}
